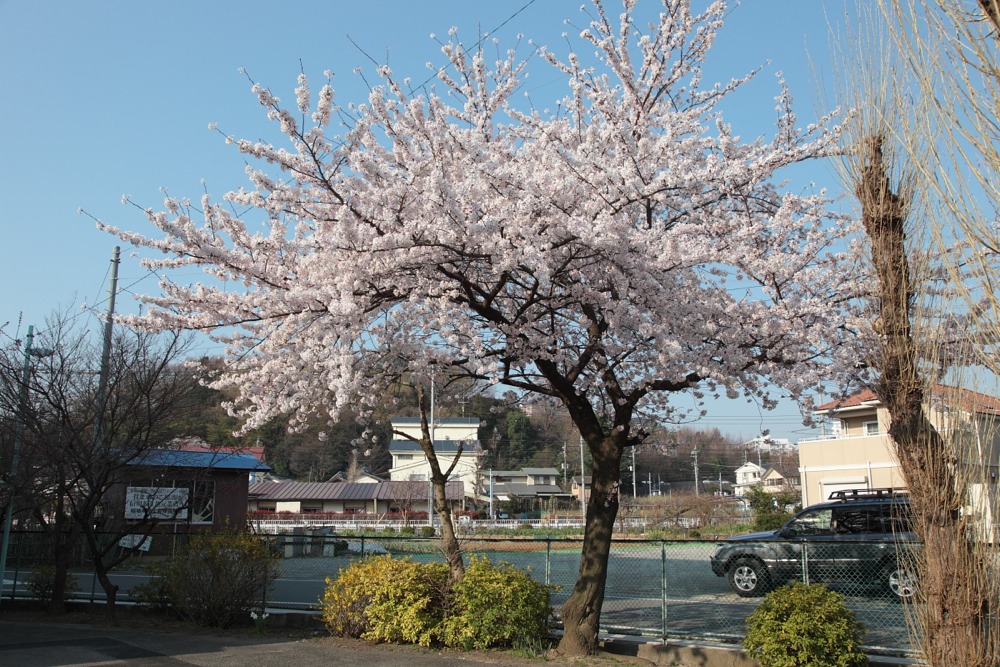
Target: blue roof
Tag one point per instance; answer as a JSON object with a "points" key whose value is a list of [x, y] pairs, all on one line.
{"points": [[175, 458]]}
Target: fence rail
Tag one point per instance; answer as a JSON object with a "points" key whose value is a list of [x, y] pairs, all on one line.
{"points": [[655, 588]]}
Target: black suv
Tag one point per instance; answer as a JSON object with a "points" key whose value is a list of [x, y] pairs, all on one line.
{"points": [[859, 539]]}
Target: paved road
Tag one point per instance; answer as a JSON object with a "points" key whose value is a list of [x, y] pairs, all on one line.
{"points": [[46, 644]]}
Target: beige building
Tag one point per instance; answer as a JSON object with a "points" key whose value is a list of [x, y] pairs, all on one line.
{"points": [[855, 452]]}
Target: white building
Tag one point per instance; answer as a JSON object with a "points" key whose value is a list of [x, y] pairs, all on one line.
{"points": [[409, 463], [747, 475]]}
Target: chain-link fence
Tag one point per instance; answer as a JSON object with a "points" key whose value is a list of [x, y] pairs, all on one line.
{"points": [[655, 588]]}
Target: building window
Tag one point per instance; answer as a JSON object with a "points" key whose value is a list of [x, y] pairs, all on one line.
{"points": [[404, 457], [871, 428]]}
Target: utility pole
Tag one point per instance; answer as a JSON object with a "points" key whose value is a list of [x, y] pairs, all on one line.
{"points": [[695, 455], [22, 406], [583, 484], [635, 474], [109, 323], [565, 464]]}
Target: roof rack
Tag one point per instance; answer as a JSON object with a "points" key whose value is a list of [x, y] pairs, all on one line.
{"points": [[866, 494]]}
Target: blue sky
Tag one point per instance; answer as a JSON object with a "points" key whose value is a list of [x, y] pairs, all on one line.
{"points": [[105, 98]]}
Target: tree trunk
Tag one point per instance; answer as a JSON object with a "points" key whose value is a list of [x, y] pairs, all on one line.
{"points": [[954, 616], [449, 541], [110, 591], [581, 613], [63, 540]]}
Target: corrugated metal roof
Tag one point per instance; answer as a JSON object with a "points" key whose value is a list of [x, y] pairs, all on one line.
{"points": [[292, 491], [173, 458]]}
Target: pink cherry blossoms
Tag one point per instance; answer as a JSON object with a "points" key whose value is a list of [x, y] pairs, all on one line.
{"points": [[620, 249]]}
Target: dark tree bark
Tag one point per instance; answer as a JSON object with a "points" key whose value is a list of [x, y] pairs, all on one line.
{"points": [[956, 606]]}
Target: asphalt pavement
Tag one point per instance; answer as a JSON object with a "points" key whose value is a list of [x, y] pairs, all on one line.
{"points": [[51, 644]]}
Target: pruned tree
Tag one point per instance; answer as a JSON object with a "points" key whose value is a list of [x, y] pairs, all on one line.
{"points": [[68, 466], [617, 251], [924, 174]]}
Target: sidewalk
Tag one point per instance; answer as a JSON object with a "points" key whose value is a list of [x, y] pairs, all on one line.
{"points": [[47, 644], [39, 642]]}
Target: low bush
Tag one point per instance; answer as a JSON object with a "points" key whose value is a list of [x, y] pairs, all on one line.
{"points": [[427, 531], [496, 606], [387, 599], [399, 600], [217, 579], [804, 626], [42, 583]]}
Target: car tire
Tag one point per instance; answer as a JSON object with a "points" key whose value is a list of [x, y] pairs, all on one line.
{"points": [[899, 582], [749, 578]]}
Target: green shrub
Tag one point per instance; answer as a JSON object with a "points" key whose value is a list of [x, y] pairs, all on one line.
{"points": [[154, 593], [496, 606], [42, 582], [766, 522], [407, 530], [387, 599], [804, 625], [219, 578], [427, 531]]}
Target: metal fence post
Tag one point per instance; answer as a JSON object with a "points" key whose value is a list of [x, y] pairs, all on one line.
{"points": [[548, 559], [805, 563], [663, 592]]}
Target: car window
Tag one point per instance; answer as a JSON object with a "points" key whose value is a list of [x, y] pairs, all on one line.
{"points": [[812, 522], [854, 520], [897, 518]]}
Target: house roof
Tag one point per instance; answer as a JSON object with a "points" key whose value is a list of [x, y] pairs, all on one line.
{"points": [[866, 396], [404, 490], [196, 444], [963, 399], [539, 471], [174, 458]]}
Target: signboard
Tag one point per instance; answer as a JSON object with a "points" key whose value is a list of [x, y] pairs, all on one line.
{"points": [[135, 542], [156, 502]]}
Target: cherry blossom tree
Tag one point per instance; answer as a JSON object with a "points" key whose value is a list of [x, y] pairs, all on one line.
{"points": [[617, 253]]}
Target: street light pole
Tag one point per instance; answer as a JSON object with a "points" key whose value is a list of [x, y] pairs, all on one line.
{"points": [[22, 406]]}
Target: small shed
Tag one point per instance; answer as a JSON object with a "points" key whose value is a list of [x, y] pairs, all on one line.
{"points": [[188, 490]]}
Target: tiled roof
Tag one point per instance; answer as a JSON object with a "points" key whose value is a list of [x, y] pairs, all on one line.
{"points": [[963, 399], [852, 401], [349, 490]]}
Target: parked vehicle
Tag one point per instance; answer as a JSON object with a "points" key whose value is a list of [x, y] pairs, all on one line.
{"points": [[860, 539]]}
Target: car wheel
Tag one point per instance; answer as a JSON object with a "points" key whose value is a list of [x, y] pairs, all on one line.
{"points": [[749, 578], [900, 583]]}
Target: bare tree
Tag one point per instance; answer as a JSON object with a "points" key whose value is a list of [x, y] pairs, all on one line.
{"points": [[69, 466]]}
